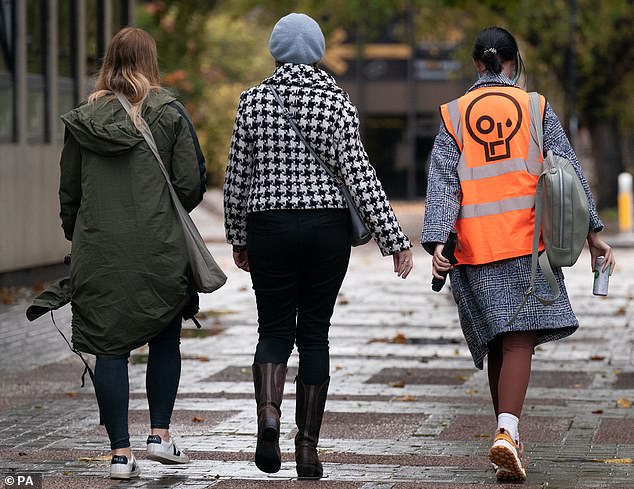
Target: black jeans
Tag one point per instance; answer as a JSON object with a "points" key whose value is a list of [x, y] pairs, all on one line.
{"points": [[163, 373], [298, 260]]}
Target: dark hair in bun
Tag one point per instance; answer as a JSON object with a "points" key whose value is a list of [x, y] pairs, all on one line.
{"points": [[495, 45]]}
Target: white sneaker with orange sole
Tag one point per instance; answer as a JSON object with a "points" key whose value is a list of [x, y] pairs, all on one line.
{"points": [[506, 457]]}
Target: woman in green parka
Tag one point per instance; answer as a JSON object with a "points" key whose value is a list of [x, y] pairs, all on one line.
{"points": [[129, 269]]}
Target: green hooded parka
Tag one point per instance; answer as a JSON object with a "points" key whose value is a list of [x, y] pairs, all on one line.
{"points": [[129, 268]]}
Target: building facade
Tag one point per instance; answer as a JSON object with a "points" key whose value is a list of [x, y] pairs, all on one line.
{"points": [[49, 53]]}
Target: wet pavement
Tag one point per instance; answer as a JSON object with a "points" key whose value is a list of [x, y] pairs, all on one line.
{"points": [[406, 410]]}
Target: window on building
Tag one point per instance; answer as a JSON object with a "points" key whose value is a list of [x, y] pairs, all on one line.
{"points": [[36, 62], [7, 70]]}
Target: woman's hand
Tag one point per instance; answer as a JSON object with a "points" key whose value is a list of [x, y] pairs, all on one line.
{"points": [[598, 247], [439, 264], [241, 259], [403, 263]]}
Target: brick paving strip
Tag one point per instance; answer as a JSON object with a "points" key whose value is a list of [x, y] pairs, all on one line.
{"points": [[407, 408]]}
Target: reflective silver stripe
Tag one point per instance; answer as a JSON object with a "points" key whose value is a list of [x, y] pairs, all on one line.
{"points": [[533, 145], [454, 117], [498, 168], [498, 207]]}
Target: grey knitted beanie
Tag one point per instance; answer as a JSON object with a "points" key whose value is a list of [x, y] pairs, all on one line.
{"points": [[297, 38]]}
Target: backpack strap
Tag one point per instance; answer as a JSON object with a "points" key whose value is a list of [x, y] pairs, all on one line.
{"points": [[544, 264]]}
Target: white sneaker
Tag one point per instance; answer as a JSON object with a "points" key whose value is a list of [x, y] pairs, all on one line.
{"points": [[164, 452], [120, 468], [506, 458]]}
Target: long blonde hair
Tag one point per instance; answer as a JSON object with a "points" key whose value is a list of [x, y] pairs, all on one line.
{"points": [[130, 67]]}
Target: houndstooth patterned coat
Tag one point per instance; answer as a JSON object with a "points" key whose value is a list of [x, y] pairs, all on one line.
{"points": [[488, 295], [269, 168]]}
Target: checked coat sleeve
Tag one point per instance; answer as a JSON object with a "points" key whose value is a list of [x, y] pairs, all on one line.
{"points": [[366, 190], [442, 204], [238, 179]]}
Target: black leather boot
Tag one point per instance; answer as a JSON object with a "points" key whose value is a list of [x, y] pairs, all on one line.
{"points": [[268, 379], [311, 400]]}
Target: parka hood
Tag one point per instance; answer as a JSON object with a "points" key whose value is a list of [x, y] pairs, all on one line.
{"points": [[103, 126]]}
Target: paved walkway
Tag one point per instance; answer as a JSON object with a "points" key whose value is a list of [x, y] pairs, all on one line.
{"points": [[407, 409]]}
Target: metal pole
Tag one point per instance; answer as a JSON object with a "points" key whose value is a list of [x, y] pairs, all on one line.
{"points": [[359, 76], [21, 83], [573, 123], [411, 106], [625, 208], [128, 12], [52, 94], [79, 49], [104, 28]]}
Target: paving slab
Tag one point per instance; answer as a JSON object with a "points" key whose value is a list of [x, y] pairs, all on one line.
{"points": [[407, 409]]}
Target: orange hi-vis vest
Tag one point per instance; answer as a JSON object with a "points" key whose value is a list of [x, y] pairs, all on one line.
{"points": [[499, 166]]}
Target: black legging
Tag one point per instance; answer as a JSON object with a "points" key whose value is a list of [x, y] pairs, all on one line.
{"points": [[298, 260], [161, 383]]}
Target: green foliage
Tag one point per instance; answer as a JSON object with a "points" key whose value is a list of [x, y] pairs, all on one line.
{"points": [[208, 57]]}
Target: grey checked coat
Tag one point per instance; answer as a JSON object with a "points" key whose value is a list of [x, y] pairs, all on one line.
{"points": [[270, 169], [488, 295]]}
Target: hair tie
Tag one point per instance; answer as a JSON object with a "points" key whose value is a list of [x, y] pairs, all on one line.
{"points": [[491, 50]]}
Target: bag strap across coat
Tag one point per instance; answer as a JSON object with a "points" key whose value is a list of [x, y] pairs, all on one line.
{"points": [[206, 273], [542, 259], [360, 234]]}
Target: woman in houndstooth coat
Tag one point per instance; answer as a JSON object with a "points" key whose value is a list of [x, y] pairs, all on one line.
{"points": [[488, 294], [290, 228]]}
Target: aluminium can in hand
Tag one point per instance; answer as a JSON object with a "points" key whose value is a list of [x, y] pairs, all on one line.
{"points": [[601, 277]]}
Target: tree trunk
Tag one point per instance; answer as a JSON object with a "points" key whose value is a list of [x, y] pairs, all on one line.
{"points": [[608, 160]]}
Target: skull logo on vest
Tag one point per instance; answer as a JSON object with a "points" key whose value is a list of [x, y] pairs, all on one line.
{"points": [[492, 120]]}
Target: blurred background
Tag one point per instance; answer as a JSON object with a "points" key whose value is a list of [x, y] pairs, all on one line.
{"points": [[398, 59]]}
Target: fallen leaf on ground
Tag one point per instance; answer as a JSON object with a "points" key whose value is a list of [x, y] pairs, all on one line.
{"points": [[597, 358], [98, 458], [202, 359], [597, 411], [405, 398], [472, 392], [620, 461], [624, 403], [71, 394], [198, 419], [379, 340], [398, 383], [399, 339], [215, 313]]}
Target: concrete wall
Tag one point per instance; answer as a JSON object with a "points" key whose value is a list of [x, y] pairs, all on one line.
{"points": [[30, 227]]}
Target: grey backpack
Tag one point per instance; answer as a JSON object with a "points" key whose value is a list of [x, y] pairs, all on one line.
{"points": [[561, 211]]}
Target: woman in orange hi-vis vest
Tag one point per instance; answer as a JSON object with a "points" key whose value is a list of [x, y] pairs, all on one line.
{"points": [[484, 169]]}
